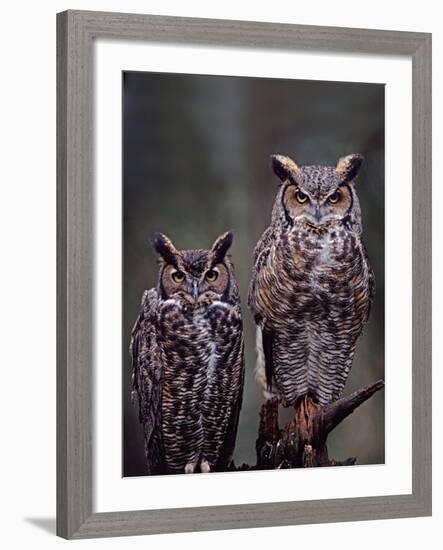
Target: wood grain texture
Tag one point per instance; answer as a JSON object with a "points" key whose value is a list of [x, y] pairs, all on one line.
{"points": [[422, 273], [74, 292], [246, 33], [302, 442], [76, 31], [62, 144]]}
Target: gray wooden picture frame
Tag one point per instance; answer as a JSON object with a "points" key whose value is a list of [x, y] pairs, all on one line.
{"points": [[76, 32]]}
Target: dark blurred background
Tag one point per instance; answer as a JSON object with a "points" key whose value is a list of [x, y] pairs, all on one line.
{"points": [[196, 163]]}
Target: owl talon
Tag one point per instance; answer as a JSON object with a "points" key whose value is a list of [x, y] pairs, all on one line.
{"points": [[190, 468], [280, 400], [204, 467], [283, 401]]}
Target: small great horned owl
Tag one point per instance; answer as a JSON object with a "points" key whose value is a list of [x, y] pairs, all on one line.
{"points": [[312, 285], [187, 356]]}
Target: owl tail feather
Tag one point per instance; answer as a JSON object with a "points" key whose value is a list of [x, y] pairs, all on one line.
{"points": [[263, 372]]}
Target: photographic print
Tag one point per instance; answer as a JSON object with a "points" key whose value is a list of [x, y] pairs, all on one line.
{"points": [[223, 248], [253, 329]]}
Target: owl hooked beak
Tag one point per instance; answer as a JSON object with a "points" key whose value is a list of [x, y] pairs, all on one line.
{"points": [[317, 214], [195, 291]]}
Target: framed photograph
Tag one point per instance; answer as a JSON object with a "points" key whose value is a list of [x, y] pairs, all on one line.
{"points": [[244, 274]]}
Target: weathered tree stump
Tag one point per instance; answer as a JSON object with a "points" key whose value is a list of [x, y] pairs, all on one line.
{"points": [[302, 442]]}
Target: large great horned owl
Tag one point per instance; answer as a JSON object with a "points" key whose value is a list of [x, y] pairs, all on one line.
{"points": [[312, 285], [187, 356]]}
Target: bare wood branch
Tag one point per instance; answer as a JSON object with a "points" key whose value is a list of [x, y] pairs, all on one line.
{"points": [[337, 411], [302, 442]]}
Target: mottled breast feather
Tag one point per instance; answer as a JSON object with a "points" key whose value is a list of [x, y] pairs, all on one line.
{"points": [[202, 383], [311, 309]]}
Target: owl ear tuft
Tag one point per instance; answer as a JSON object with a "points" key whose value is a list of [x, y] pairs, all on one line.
{"points": [[221, 245], [165, 248], [349, 166], [284, 167]]}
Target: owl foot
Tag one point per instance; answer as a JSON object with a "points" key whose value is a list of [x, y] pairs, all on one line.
{"points": [[190, 467], [204, 467], [279, 400], [283, 401]]}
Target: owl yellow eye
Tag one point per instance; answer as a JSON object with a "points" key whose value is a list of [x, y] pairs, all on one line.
{"points": [[333, 199], [178, 276], [211, 275], [301, 197]]}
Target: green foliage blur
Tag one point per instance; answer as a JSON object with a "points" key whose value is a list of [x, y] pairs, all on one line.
{"points": [[196, 154]]}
